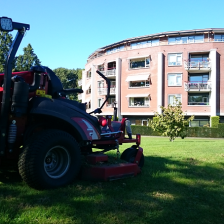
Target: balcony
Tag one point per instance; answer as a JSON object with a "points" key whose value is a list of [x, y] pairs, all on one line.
{"points": [[103, 91], [203, 66], [198, 86], [80, 96], [109, 73], [80, 82]]}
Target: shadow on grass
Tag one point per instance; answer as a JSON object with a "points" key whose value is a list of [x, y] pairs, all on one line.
{"points": [[167, 191]]}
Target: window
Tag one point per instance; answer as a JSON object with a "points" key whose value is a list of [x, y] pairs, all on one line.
{"points": [[111, 65], [88, 105], [174, 59], [110, 102], [115, 49], [198, 98], [175, 79], [174, 99], [139, 63], [137, 84], [101, 67], [138, 102], [100, 101], [88, 91], [199, 81], [199, 78], [88, 74], [219, 37], [155, 42], [200, 122], [186, 39], [199, 57], [100, 84], [199, 39], [143, 44]]}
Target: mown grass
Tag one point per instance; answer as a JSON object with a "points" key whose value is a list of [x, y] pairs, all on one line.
{"points": [[181, 182]]}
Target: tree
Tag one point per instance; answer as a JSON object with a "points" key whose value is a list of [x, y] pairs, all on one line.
{"points": [[5, 44], [69, 78], [28, 59], [171, 122]]}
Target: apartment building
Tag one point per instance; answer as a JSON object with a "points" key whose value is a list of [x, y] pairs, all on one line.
{"points": [[149, 71]]}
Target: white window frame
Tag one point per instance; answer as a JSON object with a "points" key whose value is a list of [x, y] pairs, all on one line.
{"points": [[98, 103], [146, 102], [146, 65], [178, 97], [177, 75], [177, 61]]}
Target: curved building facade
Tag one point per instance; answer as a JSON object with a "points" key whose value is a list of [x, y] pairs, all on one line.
{"points": [[149, 71]]}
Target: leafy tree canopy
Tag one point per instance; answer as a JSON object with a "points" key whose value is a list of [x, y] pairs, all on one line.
{"points": [[171, 122], [5, 43], [69, 78], [28, 59]]}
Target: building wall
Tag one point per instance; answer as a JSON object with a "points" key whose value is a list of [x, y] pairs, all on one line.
{"points": [[159, 70]]}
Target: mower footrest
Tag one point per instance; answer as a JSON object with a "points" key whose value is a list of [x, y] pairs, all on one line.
{"points": [[109, 172], [96, 158]]}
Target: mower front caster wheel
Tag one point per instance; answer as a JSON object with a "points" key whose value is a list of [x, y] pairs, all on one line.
{"points": [[129, 155]]}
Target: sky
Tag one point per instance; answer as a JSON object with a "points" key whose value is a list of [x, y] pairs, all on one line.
{"points": [[63, 33]]}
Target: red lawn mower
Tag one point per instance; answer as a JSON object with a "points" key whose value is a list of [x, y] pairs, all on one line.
{"points": [[53, 139]]}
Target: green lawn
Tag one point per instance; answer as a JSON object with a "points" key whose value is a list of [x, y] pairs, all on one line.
{"points": [[181, 182]]}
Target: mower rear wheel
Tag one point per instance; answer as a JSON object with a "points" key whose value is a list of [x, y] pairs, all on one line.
{"points": [[129, 155], [51, 159]]}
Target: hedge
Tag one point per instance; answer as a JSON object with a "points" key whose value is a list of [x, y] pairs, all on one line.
{"points": [[214, 121], [191, 131]]}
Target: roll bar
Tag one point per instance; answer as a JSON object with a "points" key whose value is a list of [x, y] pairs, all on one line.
{"points": [[21, 28]]}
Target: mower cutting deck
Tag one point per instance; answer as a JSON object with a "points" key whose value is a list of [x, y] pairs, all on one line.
{"points": [[98, 168]]}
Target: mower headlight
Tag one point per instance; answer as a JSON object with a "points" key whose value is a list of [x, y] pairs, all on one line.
{"points": [[6, 24]]}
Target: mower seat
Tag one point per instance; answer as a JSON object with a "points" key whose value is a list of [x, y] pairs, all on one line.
{"points": [[55, 88], [116, 125]]}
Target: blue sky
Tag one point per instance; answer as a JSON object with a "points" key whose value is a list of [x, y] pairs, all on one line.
{"points": [[64, 33]]}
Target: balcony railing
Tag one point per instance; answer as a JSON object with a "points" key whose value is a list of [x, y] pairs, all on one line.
{"points": [[80, 96], [79, 82], [103, 91], [109, 73], [109, 105], [138, 105], [198, 86], [199, 103], [219, 40], [197, 65]]}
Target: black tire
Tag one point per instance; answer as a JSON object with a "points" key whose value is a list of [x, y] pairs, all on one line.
{"points": [[129, 155], [51, 159]]}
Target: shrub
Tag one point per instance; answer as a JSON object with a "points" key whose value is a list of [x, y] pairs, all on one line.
{"points": [[214, 121]]}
